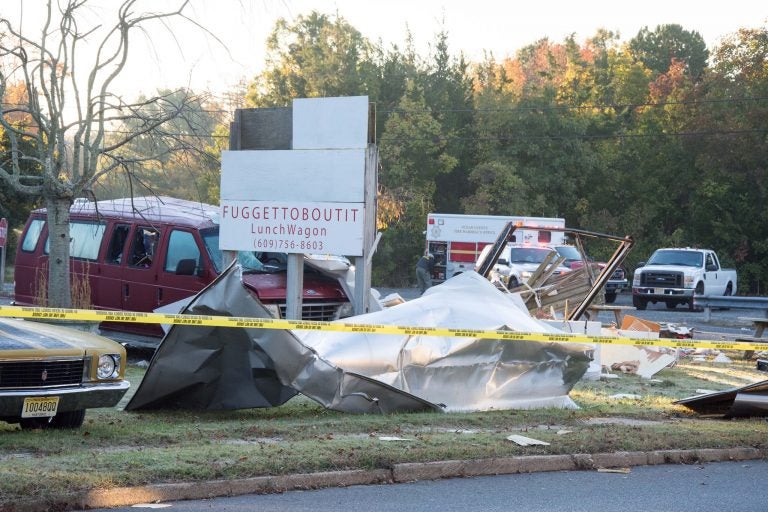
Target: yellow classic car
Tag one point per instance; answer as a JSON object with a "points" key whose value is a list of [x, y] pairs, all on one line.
{"points": [[49, 375]]}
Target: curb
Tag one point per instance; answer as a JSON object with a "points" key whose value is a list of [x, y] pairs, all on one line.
{"points": [[399, 473]]}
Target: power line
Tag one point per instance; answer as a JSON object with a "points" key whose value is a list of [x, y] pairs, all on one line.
{"points": [[617, 106], [712, 133]]}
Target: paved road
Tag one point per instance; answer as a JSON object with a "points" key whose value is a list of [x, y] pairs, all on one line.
{"points": [[671, 488]]}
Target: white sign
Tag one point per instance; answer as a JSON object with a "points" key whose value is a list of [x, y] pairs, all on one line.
{"points": [[292, 227], [330, 123], [310, 199], [293, 175]]}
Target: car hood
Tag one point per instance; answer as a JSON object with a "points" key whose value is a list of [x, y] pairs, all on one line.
{"points": [[272, 287], [24, 338]]}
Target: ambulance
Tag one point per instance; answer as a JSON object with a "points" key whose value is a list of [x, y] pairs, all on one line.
{"points": [[456, 240]]}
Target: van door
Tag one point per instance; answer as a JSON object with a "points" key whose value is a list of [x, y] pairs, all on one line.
{"points": [[185, 270], [109, 285], [30, 267], [140, 287]]}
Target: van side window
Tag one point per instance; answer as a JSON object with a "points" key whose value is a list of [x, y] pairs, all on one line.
{"points": [[181, 246], [143, 247], [84, 240], [33, 235], [117, 244]]}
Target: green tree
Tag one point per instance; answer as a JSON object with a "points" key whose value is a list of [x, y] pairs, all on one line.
{"points": [[658, 48], [730, 203], [316, 56], [413, 157]]}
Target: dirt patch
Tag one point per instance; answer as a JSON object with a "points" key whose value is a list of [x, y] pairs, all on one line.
{"points": [[621, 421]]}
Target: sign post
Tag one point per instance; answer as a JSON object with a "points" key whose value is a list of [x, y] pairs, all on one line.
{"points": [[3, 238]]}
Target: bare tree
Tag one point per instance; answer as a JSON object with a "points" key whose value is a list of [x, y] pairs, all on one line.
{"points": [[60, 128]]}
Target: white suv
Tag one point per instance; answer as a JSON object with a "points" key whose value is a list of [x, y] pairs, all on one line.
{"points": [[518, 262]]}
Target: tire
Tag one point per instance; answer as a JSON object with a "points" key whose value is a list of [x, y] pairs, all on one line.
{"points": [[610, 298], [70, 419], [512, 284], [698, 291], [671, 304], [729, 290], [34, 423], [639, 303]]}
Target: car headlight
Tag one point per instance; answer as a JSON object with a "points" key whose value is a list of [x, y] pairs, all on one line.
{"points": [[109, 366], [526, 274]]}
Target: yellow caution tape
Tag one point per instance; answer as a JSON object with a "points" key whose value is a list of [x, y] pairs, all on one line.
{"points": [[271, 323]]}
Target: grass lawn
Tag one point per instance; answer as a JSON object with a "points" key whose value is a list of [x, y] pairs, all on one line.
{"points": [[118, 448]]}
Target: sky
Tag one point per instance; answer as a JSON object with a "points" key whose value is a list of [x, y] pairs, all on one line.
{"points": [[235, 48]]}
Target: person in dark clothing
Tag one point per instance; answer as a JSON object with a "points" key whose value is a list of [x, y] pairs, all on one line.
{"points": [[424, 271]]}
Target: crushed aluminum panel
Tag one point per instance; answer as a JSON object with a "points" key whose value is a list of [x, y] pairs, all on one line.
{"points": [[745, 401], [198, 367], [463, 374]]}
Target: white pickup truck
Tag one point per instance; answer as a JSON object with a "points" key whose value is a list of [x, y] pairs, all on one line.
{"points": [[675, 275]]}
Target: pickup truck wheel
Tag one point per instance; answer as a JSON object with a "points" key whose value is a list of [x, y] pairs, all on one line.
{"points": [[639, 303], [729, 290], [671, 304], [610, 298], [512, 284]]}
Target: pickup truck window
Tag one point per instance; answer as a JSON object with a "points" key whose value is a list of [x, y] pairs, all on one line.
{"points": [[681, 258]]}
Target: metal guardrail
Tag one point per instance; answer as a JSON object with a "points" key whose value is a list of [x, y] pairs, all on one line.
{"points": [[707, 303]]}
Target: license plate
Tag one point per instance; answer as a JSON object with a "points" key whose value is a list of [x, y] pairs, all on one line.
{"points": [[40, 407], [658, 291]]}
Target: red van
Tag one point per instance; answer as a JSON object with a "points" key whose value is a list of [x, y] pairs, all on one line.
{"points": [[141, 253]]}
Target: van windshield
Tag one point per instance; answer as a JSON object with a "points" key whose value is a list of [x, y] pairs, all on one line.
{"points": [[528, 254], [251, 261]]}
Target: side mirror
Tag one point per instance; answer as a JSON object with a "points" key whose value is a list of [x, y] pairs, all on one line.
{"points": [[640, 264], [186, 267], [503, 261], [711, 267]]}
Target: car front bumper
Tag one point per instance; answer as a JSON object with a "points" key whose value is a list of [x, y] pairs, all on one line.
{"points": [[663, 293], [87, 396], [616, 286]]}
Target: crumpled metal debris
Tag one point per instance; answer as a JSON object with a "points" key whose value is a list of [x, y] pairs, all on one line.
{"points": [[744, 401], [199, 367], [464, 374]]}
